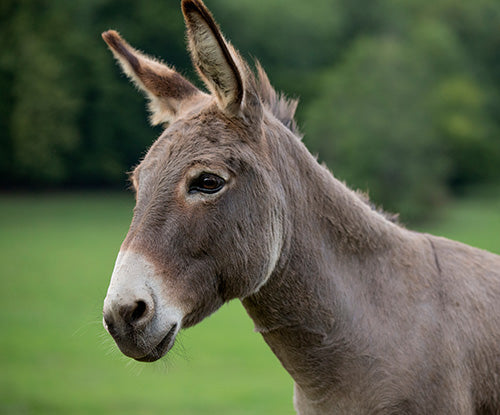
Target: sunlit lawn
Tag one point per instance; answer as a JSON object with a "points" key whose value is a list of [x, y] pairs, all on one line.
{"points": [[56, 256]]}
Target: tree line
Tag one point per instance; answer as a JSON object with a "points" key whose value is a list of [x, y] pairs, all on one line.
{"points": [[401, 99]]}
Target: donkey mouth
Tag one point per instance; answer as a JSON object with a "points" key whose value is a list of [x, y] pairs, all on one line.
{"points": [[161, 348]]}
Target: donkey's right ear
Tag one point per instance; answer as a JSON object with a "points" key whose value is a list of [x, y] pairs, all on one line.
{"points": [[165, 88]]}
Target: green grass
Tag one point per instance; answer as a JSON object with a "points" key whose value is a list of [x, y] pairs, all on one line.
{"points": [[56, 257]]}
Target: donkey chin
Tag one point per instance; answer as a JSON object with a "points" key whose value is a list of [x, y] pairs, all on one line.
{"points": [[136, 313]]}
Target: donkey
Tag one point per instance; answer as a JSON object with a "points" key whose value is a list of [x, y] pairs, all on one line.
{"points": [[366, 316]]}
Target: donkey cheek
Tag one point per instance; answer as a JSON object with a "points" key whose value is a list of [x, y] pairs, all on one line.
{"points": [[203, 297]]}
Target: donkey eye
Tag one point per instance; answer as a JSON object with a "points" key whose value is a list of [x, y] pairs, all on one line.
{"points": [[207, 183]]}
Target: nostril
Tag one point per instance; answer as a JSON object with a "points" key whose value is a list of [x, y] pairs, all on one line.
{"points": [[139, 310], [137, 313]]}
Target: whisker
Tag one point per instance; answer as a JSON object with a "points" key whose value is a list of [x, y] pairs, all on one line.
{"points": [[79, 330], [180, 349]]}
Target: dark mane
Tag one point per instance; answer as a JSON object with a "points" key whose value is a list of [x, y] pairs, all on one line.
{"points": [[282, 107], [391, 217]]}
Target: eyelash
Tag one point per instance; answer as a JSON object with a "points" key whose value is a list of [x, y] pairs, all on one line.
{"points": [[208, 183]]}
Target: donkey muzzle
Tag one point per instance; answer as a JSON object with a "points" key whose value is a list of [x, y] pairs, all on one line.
{"points": [[136, 313]]}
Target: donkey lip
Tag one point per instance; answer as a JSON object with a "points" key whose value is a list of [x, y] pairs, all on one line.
{"points": [[161, 348]]}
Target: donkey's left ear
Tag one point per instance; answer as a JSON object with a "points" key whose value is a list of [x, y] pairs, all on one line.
{"points": [[219, 65]]}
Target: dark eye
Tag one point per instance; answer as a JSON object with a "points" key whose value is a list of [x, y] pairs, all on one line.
{"points": [[206, 183]]}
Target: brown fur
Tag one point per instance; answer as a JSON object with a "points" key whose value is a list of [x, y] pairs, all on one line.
{"points": [[366, 316], [165, 88]]}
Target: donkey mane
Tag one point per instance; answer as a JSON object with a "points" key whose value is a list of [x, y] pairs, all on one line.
{"points": [[391, 217], [282, 107]]}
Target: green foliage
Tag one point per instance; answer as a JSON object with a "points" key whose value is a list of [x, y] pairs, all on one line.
{"points": [[404, 114], [280, 33], [359, 130], [399, 98], [465, 129], [42, 94], [71, 117]]}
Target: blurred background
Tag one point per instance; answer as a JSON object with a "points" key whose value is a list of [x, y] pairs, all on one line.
{"points": [[399, 99]]}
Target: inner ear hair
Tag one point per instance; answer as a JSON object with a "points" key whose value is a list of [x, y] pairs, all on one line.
{"points": [[213, 57], [165, 88]]}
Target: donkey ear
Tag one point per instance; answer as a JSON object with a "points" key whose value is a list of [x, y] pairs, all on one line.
{"points": [[164, 87], [213, 57]]}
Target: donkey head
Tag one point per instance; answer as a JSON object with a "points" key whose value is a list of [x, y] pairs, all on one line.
{"points": [[208, 221]]}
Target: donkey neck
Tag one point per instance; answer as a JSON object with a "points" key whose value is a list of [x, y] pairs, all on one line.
{"points": [[331, 234]]}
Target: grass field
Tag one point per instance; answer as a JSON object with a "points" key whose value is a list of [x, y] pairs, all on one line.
{"points": [[56, 256]]}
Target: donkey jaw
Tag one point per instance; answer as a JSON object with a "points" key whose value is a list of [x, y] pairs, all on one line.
{"points": [[137, 312], [142, 347], [161, 348]]}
